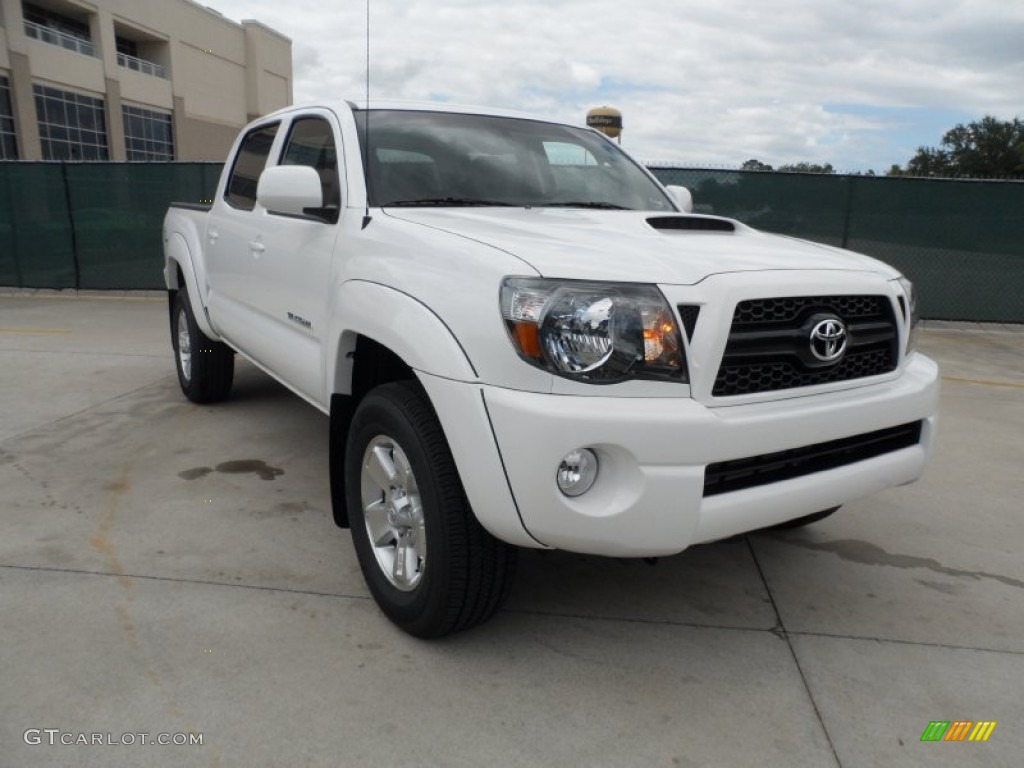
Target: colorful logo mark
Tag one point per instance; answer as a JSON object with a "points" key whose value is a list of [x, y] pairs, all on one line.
{"points": [[958, 730]]}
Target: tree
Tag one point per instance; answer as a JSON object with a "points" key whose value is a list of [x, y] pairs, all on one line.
{"points": [[808, 168], [986, 148], [755, 165]]}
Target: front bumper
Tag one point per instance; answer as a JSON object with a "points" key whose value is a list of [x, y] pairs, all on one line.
{"points": [[649, 498]]}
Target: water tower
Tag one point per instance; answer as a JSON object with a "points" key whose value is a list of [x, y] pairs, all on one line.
{"points": [[607, 120]]}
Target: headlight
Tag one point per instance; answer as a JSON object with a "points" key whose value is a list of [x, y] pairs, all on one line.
{"points": [[912, 317], [602, 333]]}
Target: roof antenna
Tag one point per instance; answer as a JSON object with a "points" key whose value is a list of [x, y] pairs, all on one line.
{"points": [[366, 133]]}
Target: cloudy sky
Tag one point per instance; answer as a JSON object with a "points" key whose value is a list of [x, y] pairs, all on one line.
{"points": [[860, 84]]}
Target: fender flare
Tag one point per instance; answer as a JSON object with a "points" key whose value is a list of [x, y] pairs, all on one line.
{"points": [[398, 321], [424, 342], [179, 256]]}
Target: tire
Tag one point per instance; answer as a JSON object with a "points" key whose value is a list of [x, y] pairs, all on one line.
{"points": [[434, 569], [205, 367], [800, 522], [341, 420]]}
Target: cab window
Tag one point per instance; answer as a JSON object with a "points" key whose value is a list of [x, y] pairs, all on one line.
{"points": [[249, 164], [311, 142]]}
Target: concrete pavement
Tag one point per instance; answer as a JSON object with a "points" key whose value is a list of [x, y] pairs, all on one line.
{"points": [[172, 568]]}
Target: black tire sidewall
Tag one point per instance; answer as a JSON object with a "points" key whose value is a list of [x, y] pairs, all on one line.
{"points": [[181, 302], [418, 610], [213, 362]]}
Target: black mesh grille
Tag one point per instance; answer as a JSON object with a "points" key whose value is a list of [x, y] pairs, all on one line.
{"points": [[744, 379], [735, 475], [788, 310], [769, 343]]}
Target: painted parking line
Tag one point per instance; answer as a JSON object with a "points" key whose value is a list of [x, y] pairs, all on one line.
{"points": [[43, 331], [87, 297], [984, 382]]}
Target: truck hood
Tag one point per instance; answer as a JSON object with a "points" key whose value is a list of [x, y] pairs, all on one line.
{"points": [[622, 245]]}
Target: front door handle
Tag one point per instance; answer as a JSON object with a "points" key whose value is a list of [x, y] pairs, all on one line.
{"points": [[256, 246]]}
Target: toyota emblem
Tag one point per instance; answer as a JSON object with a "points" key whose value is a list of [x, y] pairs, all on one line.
{"points": [[828, 340]]}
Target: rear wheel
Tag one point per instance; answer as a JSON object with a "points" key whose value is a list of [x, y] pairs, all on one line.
{"points": [[427, 561], [205, 367], [800, 522]]}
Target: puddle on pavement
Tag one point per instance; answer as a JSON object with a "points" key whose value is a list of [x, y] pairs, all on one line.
{"points": [[866, 553], [239, 467]]}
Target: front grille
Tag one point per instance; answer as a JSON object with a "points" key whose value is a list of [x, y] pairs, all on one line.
{"points": [[787, 310], [737, 474], [769, 343]]}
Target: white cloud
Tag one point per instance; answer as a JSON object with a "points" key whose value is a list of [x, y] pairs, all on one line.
{"points": [[697, 81]]}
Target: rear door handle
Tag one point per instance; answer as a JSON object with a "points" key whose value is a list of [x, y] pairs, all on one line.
{"points": [[213, 234], [256, 246]]}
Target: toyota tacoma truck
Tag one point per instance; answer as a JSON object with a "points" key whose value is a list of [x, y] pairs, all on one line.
{"points": [[522, 339]]}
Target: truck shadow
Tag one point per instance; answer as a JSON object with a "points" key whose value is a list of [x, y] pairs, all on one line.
{"points": [[708, 585]]}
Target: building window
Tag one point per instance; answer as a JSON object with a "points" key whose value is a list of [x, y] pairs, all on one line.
{"points": [[127, 47], [57, 29], [44, 17], [136, 55], [140, 65], [71, 126], [147, 134], [8, 145]]}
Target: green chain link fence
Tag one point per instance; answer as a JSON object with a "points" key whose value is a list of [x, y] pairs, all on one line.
{"points": [[960, 241], [91, 225], [97, 225]]}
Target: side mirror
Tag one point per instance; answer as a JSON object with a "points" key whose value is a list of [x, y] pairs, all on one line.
{"points": [[682, 197], [289, 189]]}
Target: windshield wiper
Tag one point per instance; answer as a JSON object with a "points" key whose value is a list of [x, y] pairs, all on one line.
{"points": [[443, 201], [587, 204]]}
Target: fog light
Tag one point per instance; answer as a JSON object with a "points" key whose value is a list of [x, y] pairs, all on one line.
{"points": [[577, 472]]}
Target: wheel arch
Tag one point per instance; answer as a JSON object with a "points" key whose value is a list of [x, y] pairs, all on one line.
{"points": [[179, 274], [397, 322], [382, 335]]}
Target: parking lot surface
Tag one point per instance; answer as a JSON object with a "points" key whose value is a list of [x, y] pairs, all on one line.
{"points": [[173, 569]]}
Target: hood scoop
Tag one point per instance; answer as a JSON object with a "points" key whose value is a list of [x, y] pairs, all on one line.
{"points": [[691, 224]]}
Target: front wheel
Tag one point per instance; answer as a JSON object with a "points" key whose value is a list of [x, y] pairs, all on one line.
{"points": [[427, 561], [205, 367]]}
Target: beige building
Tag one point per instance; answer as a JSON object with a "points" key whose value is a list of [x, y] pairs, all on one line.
{"points": [[133, 79]]}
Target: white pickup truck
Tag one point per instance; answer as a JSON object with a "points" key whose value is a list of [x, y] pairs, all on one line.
{"points": [[523, 340]]}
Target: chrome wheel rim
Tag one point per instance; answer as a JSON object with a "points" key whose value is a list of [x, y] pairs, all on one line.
{"points": [[184, 346], [393, 513]]}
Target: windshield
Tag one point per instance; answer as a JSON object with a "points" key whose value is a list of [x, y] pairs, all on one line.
{"points": [[448, 159]]}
